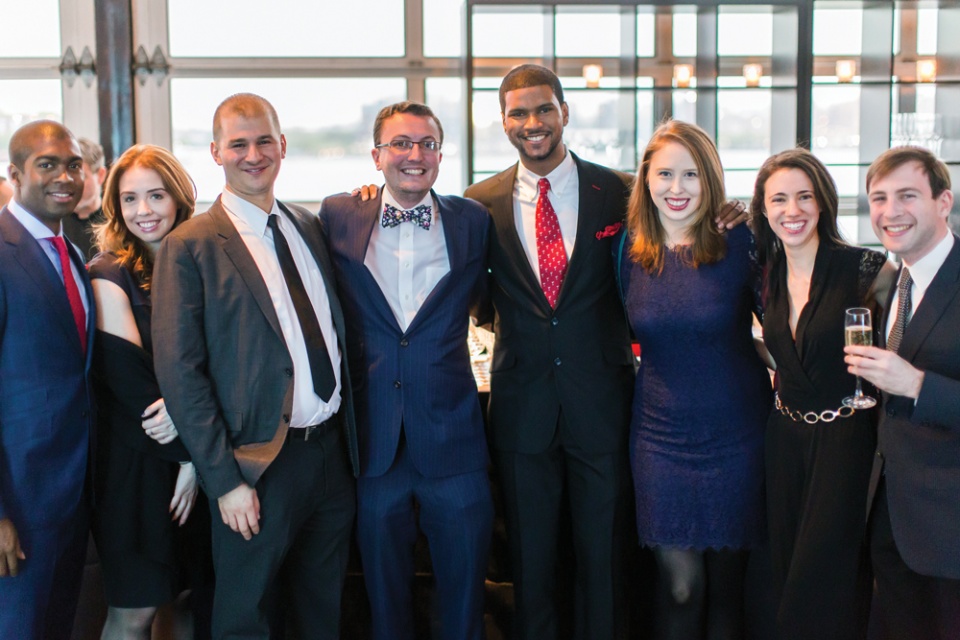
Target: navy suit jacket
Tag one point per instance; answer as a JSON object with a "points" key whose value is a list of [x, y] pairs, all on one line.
{"points": [[420, 378], [46, 407], [918, 447]]}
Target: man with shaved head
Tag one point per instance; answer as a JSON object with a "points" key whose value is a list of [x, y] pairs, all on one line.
{"points": [[46, 412], [254, 377]]}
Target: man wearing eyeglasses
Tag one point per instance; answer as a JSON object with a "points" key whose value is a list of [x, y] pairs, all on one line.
{"points": [[410, 265]]}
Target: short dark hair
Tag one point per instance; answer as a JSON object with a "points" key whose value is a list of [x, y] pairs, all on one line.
{"points": [[413, 108], [529, 75], [892, 159], [245, 105], [824, 191], [24, 139]]}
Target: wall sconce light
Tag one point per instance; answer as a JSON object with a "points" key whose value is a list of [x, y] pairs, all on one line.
{"points": [[144, 67], [682, 74], [846, 69], [926, 70], [752, 74], [71, 68], [592, 73]]}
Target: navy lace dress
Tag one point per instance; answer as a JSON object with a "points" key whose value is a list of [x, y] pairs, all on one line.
{"points": [[701, 400]]}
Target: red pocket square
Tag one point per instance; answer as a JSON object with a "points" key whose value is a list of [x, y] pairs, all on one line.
{"points": [[609, 230]]}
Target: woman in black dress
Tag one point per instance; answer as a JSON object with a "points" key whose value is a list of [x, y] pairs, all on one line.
{"points": [[153, 542], [818, 453]]}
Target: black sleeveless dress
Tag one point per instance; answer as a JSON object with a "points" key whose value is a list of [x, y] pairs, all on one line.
{"points": [[147, 559], [817, 474]]}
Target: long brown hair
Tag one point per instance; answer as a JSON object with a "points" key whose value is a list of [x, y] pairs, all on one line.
{"points": [[114, 235], [643, 220]]}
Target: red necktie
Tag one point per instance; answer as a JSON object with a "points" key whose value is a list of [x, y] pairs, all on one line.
{"points": [[73, 293], [551, 255]]}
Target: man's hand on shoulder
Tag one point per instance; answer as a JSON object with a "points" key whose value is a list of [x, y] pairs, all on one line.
{"points": [[10, 552], [733, 213], [240, 510], [366, 192]]}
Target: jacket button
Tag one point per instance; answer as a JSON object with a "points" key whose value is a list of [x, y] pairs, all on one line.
{"points": [[557, 362], [396, 383], [289, 372], [891, 412], [404, 343], [554, 321], [286, 418]]}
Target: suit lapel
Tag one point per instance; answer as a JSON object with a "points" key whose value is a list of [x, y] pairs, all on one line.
{"points": [[41, 271], [589, 210], [239, 255], [455, 238], [501, 209], [311, 236], [938, 296]]}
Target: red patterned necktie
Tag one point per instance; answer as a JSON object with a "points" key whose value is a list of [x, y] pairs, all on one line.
{"points": [[551, 255], [73, 292]]}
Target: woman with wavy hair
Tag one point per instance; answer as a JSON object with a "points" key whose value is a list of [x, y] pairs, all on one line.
{"points": [[702, 393], [153, 543], [818, 453]]}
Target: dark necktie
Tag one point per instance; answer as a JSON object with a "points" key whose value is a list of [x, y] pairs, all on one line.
{"points": [[392, 216], [73, 292], [551, 255], [904, 308], [321, 369]]}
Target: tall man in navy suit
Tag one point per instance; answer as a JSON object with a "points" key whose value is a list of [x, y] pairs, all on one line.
{"points": [[915, 492], [46, 329], [249, 358], [409, 267]]}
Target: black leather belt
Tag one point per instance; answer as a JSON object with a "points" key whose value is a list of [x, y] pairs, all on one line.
{"points": [[314, 431]]}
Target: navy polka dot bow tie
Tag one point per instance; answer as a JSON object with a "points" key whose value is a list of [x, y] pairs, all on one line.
{"points": [[419, 214]]}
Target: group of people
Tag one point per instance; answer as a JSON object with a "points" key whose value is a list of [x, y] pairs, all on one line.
{"points": [[241, 390]]}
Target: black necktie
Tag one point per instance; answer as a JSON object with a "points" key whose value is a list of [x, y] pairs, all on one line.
{"points": [[904, 307], [321, 369]]}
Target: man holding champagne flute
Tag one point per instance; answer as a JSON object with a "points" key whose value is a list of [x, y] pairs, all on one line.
{"points": [[914, 499]]}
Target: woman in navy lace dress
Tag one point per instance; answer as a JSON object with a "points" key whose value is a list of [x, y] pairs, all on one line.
{"points": [[702, 393], [817, 462]]}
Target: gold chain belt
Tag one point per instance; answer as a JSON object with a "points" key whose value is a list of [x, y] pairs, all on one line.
{"points": [[812, 417]]}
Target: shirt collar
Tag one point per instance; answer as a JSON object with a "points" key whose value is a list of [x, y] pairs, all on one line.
{"points": [[251, 214], [925, 269], [36, 228], [559, 178]]}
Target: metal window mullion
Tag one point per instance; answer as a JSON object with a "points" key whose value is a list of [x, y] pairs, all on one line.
{"points": [[80, 102]]}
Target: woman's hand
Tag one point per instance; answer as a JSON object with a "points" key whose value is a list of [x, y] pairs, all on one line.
{"points": [[158, 424], [185, 493]]}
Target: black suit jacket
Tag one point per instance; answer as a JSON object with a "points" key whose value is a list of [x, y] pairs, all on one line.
{"points": [[220, 356], [918, 446], [576, 358]]}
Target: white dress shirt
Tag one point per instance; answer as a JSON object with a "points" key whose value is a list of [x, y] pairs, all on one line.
{"points": [[407, 261], [251, 223], [922, 273], [44, 238], [564, 195]]}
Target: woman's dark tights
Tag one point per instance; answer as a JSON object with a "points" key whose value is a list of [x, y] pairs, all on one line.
{"points": [[702, 592]]}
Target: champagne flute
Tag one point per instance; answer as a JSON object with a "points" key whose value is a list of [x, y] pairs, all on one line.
{"points": [[858, 331]]}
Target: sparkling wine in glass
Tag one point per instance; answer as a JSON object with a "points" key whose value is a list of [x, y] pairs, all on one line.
{"points": [[858, 331]]}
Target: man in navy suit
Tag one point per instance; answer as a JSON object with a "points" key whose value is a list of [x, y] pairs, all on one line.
{"points": [[915, 491], [46, 329], [410, 265]]}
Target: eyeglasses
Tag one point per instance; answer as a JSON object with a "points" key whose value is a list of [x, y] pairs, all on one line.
{"points": [[405, 146]]}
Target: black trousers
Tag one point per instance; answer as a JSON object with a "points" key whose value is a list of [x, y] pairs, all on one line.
{"points": [[912, 606], [299, 559]]}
